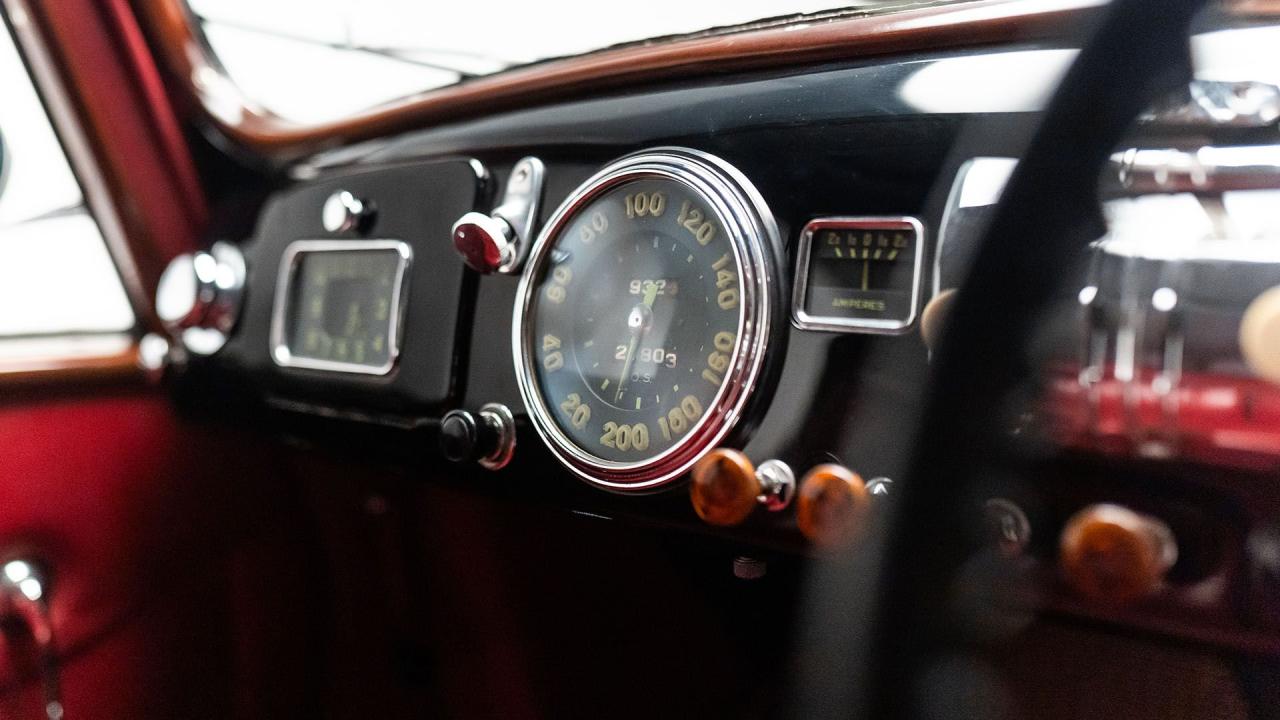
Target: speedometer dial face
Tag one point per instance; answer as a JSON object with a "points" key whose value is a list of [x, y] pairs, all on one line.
{"points": [[639, 321]]}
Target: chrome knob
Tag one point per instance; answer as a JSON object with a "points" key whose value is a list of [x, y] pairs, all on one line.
{"points": [[486, 243], [198, 297], [499, 241], [21, 582], [343, 212], [1007, 527]]}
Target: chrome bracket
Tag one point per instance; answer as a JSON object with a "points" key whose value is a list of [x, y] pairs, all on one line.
{"points": [[519, 208]]}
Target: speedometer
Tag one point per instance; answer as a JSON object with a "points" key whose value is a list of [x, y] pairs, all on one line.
{"points": [[643, 316]]}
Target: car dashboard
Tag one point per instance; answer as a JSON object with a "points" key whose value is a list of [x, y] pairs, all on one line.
{"points": [[620, 385]]}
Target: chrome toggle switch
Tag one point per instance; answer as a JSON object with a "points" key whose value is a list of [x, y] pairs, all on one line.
{"points": [[198, 297], [499, 242]]}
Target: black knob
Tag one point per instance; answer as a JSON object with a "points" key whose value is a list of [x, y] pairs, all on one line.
{"points": [[487, 437], [462, 437]]}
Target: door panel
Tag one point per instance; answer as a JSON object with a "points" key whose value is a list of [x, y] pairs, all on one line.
{"points": [[154, 535], [176, 566]]}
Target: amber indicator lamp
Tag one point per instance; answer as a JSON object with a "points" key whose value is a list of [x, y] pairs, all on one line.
{"points": [[1111, 554], [832, 505]]}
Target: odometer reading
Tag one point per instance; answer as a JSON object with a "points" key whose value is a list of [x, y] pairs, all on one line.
{"points": [[636, 318]]}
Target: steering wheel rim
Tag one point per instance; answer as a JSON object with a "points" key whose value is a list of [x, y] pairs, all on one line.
{"points": [[1132, 52]]}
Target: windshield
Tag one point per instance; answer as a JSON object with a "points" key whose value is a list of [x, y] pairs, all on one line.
{"points": [[311, 61]]}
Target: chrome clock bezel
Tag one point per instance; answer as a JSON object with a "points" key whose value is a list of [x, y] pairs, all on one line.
{"points": [[753, 235], [280, 351]]}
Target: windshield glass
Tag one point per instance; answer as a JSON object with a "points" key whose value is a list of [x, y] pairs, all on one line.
{"points": [[312, 61]]}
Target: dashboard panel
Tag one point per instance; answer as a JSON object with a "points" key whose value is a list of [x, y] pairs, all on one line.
{"points": [[807, 225], [833, 142], [403, 312]]}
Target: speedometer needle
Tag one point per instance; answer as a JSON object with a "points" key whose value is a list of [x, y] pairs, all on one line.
{"points": [[637, 322]]}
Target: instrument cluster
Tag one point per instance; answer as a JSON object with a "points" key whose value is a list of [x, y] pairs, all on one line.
{"points": [[651, 315], [649, 321]]}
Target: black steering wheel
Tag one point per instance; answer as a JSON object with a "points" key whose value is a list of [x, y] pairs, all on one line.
{"points": [[896, 612]]}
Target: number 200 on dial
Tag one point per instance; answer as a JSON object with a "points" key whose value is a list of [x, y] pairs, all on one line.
{"points": [[630, 331]]}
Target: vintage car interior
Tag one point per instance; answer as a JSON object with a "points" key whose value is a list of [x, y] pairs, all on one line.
{"points": [[363, 374]]}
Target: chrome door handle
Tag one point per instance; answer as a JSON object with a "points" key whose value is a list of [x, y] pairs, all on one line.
{"points": [[23, 598]]}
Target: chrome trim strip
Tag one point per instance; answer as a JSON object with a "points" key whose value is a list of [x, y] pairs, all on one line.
{"points": [[1207, 170], [805, 321], [752, 233], [280, 351], [75, 144]]}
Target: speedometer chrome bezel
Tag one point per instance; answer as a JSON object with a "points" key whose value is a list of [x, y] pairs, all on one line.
{"points": [[753, 236]]}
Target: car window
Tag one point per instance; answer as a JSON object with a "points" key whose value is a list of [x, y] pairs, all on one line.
{"points": [[310, 62], [56, 276]]}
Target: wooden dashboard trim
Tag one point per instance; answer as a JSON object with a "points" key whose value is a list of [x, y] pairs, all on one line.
{"points": [[115, 368], [974, 23]]}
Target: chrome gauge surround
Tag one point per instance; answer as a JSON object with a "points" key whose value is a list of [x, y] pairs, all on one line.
{"points": [[754, 238], [805, 320], [284, 356]]}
